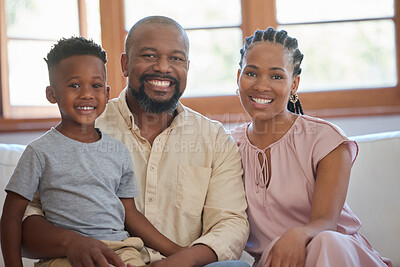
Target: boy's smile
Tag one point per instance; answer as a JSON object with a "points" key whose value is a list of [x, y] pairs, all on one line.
{"points": [[78, 86]]}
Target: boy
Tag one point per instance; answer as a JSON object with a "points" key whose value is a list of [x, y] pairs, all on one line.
{"points": [[84, 177]]}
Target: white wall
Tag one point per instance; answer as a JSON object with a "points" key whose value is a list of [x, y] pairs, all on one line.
{"points": [[367, 125], [352, 126]]}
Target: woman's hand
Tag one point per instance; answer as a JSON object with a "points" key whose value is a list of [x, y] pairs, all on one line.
{"points": [[289, 250]]}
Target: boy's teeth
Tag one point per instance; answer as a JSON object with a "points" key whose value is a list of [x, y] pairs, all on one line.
{"points": [[160, 83], [261, 101], [85, 108]]}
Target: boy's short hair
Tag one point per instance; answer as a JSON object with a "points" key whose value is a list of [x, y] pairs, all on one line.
{"points": [[67, 47]]}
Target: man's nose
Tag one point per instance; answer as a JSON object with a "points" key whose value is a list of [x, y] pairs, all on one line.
{"points": [[163, 65]]}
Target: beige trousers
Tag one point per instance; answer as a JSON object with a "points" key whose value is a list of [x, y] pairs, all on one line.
{"points": [[129, 250]]}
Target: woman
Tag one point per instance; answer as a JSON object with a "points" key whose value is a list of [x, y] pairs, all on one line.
{"points": [[296, 167]]}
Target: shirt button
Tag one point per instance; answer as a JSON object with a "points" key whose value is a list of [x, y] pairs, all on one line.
{"points": [[153, 251], [152, 167], [150, 199]]}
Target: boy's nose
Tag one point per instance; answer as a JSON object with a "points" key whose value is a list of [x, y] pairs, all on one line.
{"points": [[86, 92]]}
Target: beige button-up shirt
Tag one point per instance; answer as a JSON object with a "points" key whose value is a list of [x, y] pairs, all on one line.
{"points": [[190, 179]]}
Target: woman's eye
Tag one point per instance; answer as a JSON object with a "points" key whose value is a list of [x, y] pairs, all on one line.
{"points": [[251, 74], [276, 77], [74, 85]]}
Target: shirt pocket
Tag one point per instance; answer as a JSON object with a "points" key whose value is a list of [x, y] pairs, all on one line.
{"points": [[192, 188]]}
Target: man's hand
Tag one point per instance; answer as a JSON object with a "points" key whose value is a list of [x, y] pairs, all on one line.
{"points": [[42, 239], [198, 255], [88, 252]]}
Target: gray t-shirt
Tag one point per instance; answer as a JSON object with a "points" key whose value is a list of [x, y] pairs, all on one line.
{"points": [[79, 184]]}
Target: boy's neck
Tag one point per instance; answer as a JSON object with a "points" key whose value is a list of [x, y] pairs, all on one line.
{"points": [[84, 134]]}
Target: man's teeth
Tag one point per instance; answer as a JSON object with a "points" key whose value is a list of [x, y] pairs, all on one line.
{"points": [[160, 83], [261, 101], [85, 108]]}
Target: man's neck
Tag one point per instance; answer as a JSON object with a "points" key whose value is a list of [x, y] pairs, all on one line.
{"points": [[150, 124]]}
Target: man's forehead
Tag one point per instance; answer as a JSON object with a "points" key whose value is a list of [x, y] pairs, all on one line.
{"points": [[156, 36]]}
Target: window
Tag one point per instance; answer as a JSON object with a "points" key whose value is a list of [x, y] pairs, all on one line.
{"points": [[28, 30], [351, 64], [345, 48], [215, 39]]}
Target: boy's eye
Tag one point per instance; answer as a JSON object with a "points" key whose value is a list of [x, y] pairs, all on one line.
{"points": [[277, 77], [74, 85], [97, 85]]}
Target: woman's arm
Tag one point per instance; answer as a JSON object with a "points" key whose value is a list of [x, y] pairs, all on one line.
{"points": [[332, 179], [13, 211], [138, 225], [42, 239]]}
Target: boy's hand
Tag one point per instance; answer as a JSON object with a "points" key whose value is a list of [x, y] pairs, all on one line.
{"points": [[88, 252]]}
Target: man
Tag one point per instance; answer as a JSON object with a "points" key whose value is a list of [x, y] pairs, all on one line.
{"points": [[188, 168]]}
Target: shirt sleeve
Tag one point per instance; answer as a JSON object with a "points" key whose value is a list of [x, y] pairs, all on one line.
{"points": [[25, 179], [328, 138], [225, 225]]}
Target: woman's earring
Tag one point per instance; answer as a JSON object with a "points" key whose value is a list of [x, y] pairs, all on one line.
{"points": [[294, 104], [237, 92], [293, 98]]}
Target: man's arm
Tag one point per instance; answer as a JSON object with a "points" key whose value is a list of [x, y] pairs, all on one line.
{"points": [[225, 225], [42, 239], [138, 225], [195, 256]]}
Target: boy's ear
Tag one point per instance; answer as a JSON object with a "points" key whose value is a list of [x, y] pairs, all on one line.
{"points": [[51, 94], [108, 92]]}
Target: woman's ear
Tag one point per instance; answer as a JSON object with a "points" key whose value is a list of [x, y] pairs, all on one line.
{"points": [[238, 76], [295, 84], [51, 94]]}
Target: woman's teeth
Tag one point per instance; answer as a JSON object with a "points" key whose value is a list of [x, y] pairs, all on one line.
{"points": [[261, 101]]}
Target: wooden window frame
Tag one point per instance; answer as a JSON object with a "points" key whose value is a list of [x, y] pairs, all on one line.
{"points": [[256, 14]]}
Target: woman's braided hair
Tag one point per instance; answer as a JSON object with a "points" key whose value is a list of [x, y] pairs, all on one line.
{"points": [[290, 44]]}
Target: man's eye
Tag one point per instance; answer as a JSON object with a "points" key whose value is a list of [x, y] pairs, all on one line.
{"points": [[177, 58], [149, 55], [276, 77]]}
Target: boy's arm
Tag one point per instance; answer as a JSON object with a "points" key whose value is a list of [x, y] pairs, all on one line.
{"points": [[11, 228], [138, 225], [42, 239]]}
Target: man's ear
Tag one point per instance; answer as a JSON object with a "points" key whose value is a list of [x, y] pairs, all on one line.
{"points": [[51, 94], [124, 64]]}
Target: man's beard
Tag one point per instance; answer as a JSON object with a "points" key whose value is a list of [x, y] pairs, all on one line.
{"points": [[153, 106]]}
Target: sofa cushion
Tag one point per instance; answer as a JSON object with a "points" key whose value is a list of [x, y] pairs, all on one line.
{"points": [[9, 156], [373, 192]]}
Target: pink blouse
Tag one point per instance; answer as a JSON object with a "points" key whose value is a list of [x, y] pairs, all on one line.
{"points": [[286, 203]]}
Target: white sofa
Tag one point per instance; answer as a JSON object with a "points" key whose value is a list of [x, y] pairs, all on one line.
{"points": [[373, 191]]}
